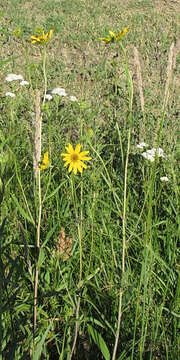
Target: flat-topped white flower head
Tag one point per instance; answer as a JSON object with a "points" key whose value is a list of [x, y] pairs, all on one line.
{"points": [[164, 179], [141, 145], [73, 98], [10, 94], [23, 83], [148, 156], [59, 91], [12, 77], [48, 97], [158, 151]]}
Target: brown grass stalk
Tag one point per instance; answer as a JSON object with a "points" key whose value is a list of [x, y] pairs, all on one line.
{"points": [[170, 66], [140, 87], [76, 327], [139, 77]]}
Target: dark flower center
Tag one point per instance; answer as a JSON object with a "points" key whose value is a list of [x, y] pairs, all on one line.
{"points": [[74, 157]]}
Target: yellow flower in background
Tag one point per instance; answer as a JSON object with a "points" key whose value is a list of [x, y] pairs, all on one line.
{"points": [[17, 33], [89, 132], [45, 162], [74, 158], [114, 37], [43, 39]]}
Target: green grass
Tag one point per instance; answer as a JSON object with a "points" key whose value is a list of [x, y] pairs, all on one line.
{"points": [[115, 292]]}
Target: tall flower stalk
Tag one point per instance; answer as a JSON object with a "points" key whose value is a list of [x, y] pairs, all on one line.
{"points": [[42, 40], [44, 73], [37, 155], [79, 227], [75, 160], [114, 38], [124, 217]]}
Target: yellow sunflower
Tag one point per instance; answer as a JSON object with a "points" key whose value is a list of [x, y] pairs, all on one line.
{"points": [[114, 37], [74, 158], [45, 162], [44, 38]]}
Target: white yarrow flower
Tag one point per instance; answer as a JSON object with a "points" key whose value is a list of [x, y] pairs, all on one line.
{"points": [[10, 94], [73, 98], [158, 151], [164, 178], [24, 82], [141, 145], [59, 91], [48, 97], [12, 77], [148, 156]]}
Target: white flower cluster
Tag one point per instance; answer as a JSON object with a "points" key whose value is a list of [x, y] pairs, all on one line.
{"points": [[24, 82], [10, 94], [150, 154], [60, 92], [141, 145], [13, 77], [164, 179]]}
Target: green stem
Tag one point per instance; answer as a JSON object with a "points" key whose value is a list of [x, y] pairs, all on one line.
{"points": [[44, 73], [124, 221], [79, 223]]}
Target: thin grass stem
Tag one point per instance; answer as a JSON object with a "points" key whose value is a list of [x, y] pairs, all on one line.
{"points": [[124, 220]]}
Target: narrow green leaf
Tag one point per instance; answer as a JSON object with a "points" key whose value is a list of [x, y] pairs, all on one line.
{"points": [[2, 226], [49, 236], [39, 346], [99, 341], [21, 210], [89, 277], [41, 257], [55, 191], [3, 62]]}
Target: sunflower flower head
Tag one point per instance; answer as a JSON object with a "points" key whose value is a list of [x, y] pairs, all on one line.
{"points": [[45, 162], [74, 158], [43, 38], [113, 37]]}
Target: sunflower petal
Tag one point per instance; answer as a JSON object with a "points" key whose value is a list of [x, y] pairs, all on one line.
{"points": [[70, 167], [85, 158], [81, 164], [122, 33], [67, 162], [69, 148], [45, 162], [78, 148], [112, 34], [80, 169], [75, 169], [84, 153], [50, 34], [107, 40]]}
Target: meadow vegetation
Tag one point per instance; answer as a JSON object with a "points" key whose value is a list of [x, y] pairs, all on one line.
{"points": [[89, 180]]}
